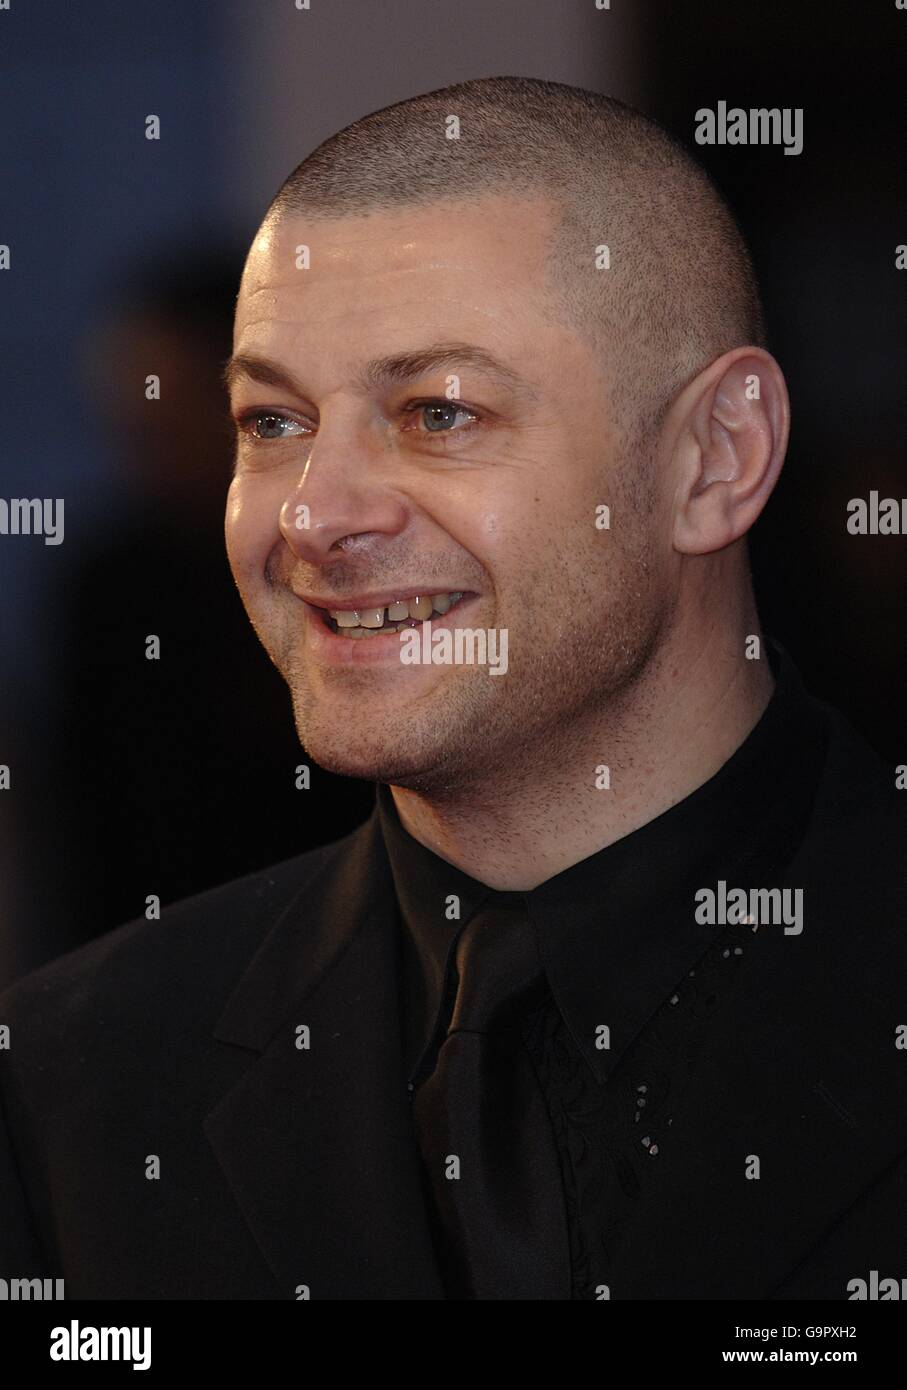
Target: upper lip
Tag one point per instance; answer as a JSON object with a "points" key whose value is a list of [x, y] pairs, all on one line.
{"points": [[350, 603]]}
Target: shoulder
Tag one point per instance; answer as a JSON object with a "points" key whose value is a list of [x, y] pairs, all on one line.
{"points": [[858, 827], [836, 979], [173, 973]]}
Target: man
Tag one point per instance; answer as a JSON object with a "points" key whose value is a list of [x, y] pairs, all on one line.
{"points": [[603, 1001]]}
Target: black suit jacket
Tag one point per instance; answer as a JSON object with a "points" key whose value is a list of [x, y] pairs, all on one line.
{"points": [[285, 1168]]}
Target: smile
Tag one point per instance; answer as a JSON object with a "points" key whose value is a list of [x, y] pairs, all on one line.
{"points": [[390, 618]]}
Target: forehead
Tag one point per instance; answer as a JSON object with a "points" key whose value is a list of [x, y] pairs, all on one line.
{"points": [[460, 268]]}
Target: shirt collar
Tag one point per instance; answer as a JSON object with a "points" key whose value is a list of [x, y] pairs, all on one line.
{"points": [[617, 931]]}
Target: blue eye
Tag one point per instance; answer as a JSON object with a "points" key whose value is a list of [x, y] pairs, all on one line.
{"points": [[439, 417], [268, 424]]}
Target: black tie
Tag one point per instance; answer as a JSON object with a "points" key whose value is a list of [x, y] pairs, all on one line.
{"points": [[483, 1126]]}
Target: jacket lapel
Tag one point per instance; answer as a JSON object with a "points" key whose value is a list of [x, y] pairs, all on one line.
{"points": [[315, 1139]]}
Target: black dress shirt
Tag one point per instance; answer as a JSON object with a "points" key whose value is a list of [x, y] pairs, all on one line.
{"points": [[634, 978]]}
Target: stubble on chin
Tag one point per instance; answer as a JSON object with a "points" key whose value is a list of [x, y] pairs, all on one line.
{"points": [[429, 744]]}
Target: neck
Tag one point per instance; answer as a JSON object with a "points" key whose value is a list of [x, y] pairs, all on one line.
{"points": [[680, 723]]}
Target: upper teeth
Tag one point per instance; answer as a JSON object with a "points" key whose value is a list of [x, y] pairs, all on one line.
{"points": [[401, 610]]}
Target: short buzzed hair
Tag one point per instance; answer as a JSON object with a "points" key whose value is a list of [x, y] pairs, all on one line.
{"points": [[680, 290]]}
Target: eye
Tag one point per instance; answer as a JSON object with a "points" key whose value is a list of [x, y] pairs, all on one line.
{"points": [[439, 417], [269, 424]]}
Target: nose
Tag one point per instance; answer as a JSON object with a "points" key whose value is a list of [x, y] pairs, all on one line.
{"points": [[342, 492]]}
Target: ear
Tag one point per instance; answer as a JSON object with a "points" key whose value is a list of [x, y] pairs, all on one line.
{"points": [[728, 432]]}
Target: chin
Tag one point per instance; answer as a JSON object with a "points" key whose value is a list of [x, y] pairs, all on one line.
{"points": [[421, 749], [372, 760], [419, 768]]}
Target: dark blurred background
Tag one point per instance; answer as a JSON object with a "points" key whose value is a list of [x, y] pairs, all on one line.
{"points": [[130, 777]]}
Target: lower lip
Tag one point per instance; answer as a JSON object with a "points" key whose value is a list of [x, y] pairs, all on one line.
{"points": [[370, 651]]}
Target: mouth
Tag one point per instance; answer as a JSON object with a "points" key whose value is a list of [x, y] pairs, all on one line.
{"points": [[382, 620]]}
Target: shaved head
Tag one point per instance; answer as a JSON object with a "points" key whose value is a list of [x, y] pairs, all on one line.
{"points": [[680, 290]]}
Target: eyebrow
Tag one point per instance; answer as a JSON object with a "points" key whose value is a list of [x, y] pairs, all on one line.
{"points": [[395, 370]]}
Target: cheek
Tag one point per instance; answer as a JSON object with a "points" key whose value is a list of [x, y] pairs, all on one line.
{"points": [[251, 528]]}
